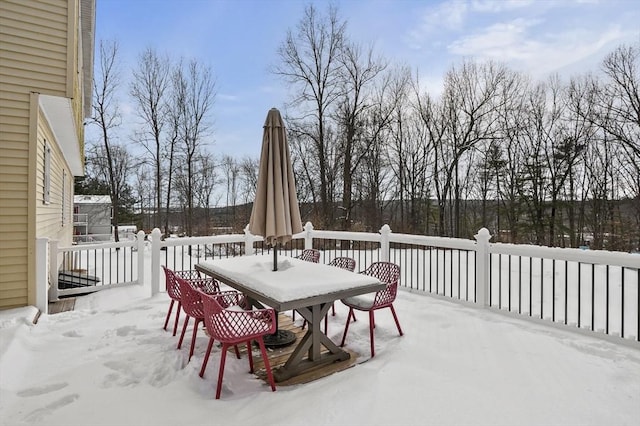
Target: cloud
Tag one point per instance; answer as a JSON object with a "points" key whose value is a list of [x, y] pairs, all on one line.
{"points": [[223, 97], [505, 41], [526, 45], [447, 16], [495, 6]]}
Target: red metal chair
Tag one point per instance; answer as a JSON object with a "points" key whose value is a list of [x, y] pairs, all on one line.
{"points": [[227, 322], [173, 290], [343, 262], [208, 284], [388, 273], [339, 262], [192, 306], [309, 255]]}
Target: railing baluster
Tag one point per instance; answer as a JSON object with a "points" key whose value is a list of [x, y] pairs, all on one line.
{"points": [[593, 296], [530, 286], [606, 321], [553, 290], [579, 292], [566, 291], [520, 284], [509, 283]]}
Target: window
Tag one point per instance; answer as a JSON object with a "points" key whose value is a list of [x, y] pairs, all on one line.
{"points": [[46, 190]]}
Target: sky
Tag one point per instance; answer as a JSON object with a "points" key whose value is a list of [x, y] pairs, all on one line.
{"points": [[109, 362], [239, 40]]}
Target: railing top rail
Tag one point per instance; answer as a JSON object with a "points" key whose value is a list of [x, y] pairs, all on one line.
{"points": [[211, 239], [346, 235], [454, 243], [99, 246], [598, 257]]}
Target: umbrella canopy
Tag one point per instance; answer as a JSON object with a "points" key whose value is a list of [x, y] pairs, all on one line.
{"points": [[275, 214]]}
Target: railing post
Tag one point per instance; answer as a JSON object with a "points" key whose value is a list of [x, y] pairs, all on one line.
{"points": [[53, 270], [385, 231], [156, 238], [42, 274], [140, 248], [248, 241], [482, 267], [308, 237]]}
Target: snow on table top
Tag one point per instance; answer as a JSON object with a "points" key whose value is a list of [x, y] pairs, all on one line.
{"points": [[295, 279]]}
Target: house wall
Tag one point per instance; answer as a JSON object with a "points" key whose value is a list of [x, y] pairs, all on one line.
{"points": [[49, 215], [35, 59], [99, 218]]}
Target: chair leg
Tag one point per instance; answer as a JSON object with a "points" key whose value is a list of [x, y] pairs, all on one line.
{"points": [[346, 327], [223, 359], [395, 317], [250, 356], [184, 329], [333, 309], [371, 326], [267, 366], [206, 357], [175, 325], [166, 320], [237, 351], [193, 338]]}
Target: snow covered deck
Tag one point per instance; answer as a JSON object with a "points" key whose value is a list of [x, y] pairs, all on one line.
{"points": [[455, 365]]}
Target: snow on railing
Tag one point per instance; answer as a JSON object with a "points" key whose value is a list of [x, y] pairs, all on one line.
{"points": [[590, 290]]}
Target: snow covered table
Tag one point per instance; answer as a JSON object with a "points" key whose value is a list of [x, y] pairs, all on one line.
{"points": [[309, 288]]}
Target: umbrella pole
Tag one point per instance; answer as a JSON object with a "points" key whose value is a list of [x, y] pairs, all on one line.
{"points": [[275, 257]]}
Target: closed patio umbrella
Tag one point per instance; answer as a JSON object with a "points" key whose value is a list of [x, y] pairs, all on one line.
{"points": [[275, 214]]}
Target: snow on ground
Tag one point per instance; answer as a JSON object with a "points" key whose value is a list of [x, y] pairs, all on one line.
{"points": [[110, 363]]}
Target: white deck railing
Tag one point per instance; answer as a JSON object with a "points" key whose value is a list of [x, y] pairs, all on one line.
{"points": [[585, 290]]}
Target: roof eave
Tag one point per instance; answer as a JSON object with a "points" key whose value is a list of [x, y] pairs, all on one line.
{"points": [[59, 114]]}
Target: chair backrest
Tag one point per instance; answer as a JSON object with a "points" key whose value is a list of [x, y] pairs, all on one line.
{"points": [[173, 288], [191, 300], [207, 284], [226, 321], [343, 262], [388, 273], [309, 255]]}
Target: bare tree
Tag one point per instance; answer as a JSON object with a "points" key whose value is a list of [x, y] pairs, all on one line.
{"points": [[622, 67], [144, 189], [106, 116], [249, 177], [309, 61], [204, 183], [197, 91], [465, 116], [358, 73], [148, 90]]}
